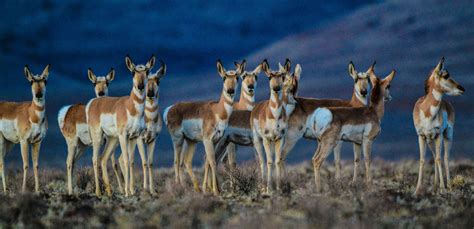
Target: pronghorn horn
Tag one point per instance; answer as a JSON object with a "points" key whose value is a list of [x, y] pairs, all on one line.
{"points": [[371, 68], [162, 70], [440, 65]]}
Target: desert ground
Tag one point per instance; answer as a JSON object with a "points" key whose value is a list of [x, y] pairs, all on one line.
{"points": [[388, 203]]}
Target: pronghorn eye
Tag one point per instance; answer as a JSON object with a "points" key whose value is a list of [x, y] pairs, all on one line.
{"points": [[446, 76], [388, 86]]}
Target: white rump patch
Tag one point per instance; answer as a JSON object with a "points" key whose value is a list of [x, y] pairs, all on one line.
{"points": [[165, 114], [321, 119], [62, 114]]}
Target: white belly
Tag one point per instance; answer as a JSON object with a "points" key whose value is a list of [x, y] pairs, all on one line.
{"points": [[9, 130], [355, 133], [108, 124], [82, 131], [430, 128], [273, 130], [135, 126], [192, 129]]}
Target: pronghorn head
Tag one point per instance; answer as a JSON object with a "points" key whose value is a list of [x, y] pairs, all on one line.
{"points": [[276, 77], [441, 81], [139, 72], [153, 83], [230, 77], [249, 80], [381, 87], [101, 83], [290, 85], [38, 82], [361, 81]]}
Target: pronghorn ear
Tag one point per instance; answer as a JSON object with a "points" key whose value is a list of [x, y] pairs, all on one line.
{"points": [[373, 79], [371, 69], [129, 63], [151, 62], [162, 71], [241, 67], [298, 72], [45, 73], [287, 65], [91, 75], [257, 70], [390, 76], [352, 71], [111, 76], [266, 68], [439, 66], [28, 74], [220, 69]]}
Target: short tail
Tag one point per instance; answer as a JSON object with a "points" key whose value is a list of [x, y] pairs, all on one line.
{"points": [[62, 115], [165, 114]]}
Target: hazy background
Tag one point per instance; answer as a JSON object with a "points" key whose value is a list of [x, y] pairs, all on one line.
{"points": [[190, 36]]}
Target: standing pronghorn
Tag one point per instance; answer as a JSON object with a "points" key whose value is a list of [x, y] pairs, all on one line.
{"points": [[118, 119], [206, 121], [25, 123], [268, 121], [434, 121], [299, 127], [153, 125], [73, 124], [360, 125], [246, 103]]}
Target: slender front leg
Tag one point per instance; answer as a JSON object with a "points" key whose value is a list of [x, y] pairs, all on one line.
{"points": [[422, 145], [290, 142], [447, 148], [178, 147], [188, 163], [35, 157], [279, 161], [151, 151], [24, 155], [124, 159], [438, 163], [132, 143], [231, 158], [269, 157], [207, 167], [115, 168], [431, 145], [337, 160], [211, 157], [71, 151], [325, 147], [367, 146], [3, 151], [357, 152], [109, 148], [257, 143], [95, 163], [141, 151]]}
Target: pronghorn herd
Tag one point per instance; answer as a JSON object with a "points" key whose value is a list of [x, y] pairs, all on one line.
{"points": [[272, 126]]}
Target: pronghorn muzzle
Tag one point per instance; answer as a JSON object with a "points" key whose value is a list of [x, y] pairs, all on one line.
{"points": [[150, 94], [39, 95], [277, 89], [251, 88], [363, 92], [141, 86], [101, 93], [230, 91], [461, 88]]}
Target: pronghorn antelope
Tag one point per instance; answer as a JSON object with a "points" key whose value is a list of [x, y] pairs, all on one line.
{"points": [[119, 120], [360, 125], [246, 102], [268, 121], [153, 125], [206, 121], [434, 121], [25, 123], [73, 124], [299, 127]]}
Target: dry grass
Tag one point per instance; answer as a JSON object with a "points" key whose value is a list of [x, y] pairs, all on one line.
{"points": [[388, 203]]}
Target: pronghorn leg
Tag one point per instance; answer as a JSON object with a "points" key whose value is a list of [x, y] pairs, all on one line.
{"points": [[188, 163], [24, 155], [131, 154], [211, 157], [151, 151], [231, 157], [178, 147], [279, 161], [448, 138], [3, 152], [115, 168], [257, 143], [109, 148], [337, 160], [96, 144], [269, 157], [422, 145], [35, 149], [71, 155], [290, 142], [438, 163], [357, 151], [124, 157], [367, 147], [431, 145], [205, 183], [322, 152], [141, 152]]}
